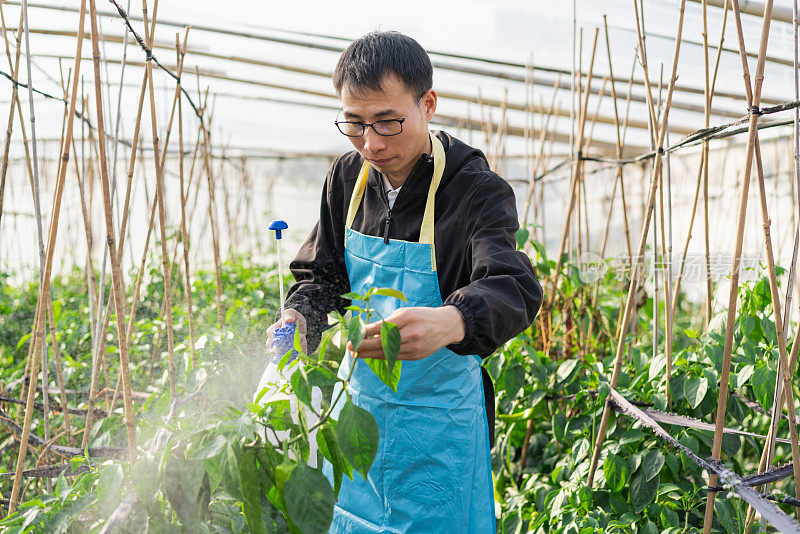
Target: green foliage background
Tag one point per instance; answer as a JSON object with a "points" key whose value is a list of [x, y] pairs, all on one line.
{"points": [[211, 468]]}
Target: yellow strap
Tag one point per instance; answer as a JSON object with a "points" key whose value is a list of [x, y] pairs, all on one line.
{"points": [[358, 193], [426, 234]]}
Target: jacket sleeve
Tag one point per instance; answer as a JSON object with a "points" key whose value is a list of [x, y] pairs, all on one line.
{"points": [[503, 295], [318, 268]]}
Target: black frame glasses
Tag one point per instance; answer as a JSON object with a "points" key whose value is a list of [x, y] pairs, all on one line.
{"points": [[388, 123]]}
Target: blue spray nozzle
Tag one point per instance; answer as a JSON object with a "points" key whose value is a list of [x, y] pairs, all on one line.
{"points": [[278, 227]]}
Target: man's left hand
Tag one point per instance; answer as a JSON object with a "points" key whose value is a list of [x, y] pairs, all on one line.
{"points": [[423, 331]]}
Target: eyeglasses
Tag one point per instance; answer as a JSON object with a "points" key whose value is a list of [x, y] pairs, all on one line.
{"points": [[386, 128]]}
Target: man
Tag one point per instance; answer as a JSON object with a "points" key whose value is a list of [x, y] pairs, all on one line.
{"points": [[421, 213]]}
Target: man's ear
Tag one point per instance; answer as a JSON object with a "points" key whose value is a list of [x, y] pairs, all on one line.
{"points": [[428, 104]]}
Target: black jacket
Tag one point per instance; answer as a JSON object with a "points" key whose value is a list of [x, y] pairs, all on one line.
{"points": [[480, 271]]}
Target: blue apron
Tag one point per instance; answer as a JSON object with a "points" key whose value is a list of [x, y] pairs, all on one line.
{"points": [[432, 472]]}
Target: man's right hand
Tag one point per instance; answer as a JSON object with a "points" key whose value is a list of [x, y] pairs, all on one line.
{"points": [[291, 316]]}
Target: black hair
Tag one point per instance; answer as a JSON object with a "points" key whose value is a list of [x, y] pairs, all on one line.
{"points": [[368, 60]]}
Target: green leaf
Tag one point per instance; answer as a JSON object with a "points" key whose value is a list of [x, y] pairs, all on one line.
{"points": [[768, 328], [649, 528], [657, 365], [329, 447], [725, 514], [652, 463], [182, 484], [389, 292], [62, 520], [643, 491], [355, 331], [267, 461], [536, 397], [211, 449], [309, 499], [714, 354], [580, 449], [559, 426], [513, 378], [282, 472], [565, 370], [381, 370], [522, 237], [144, 476], [320, 376], [351, 296], [695, 390], [669, 518], [23, 340], [390, 341], [744, 375], [763, 383], [251, 490], [230, 472], [108, 485], [357, 434], [300, 386], [616, 471]]}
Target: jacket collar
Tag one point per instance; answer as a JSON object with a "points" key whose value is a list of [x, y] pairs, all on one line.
{"points": [[417, 181]]}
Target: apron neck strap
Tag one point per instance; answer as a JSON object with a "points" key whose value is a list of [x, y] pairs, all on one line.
{"points": [[426, 234]]}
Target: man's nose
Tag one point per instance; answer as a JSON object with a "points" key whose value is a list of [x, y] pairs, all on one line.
{"points": [[373, 142]]}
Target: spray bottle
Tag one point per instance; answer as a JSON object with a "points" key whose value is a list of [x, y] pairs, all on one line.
{"points": [[275, 380], [282, 337]]}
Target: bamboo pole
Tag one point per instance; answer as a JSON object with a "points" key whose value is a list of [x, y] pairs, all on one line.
{"points": [[184, 231], [212, 217], [39, 231], [753, 99], [619, 177], [617, 181], [702, 178], [165, 263], [778, 405], [38, 335], [123, 226], [537, 162], [116, 273], [14, 68], [504, 74], [635, 265], [15, 103], [783, 362], [704, 170], [578, 165]]}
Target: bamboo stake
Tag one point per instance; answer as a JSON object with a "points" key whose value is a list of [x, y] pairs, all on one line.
{"points": [[167, 271], [123, 227], [635, 265], [619, 177], [542, 135], [16, 104], [14, 67], [704, 168], [184, 231], [783, 364], [617, 181], [116, 273], [212, 219], [795, 220], [575, 177], [702, 178], [753, 99], [38, 335], [39, 231]]}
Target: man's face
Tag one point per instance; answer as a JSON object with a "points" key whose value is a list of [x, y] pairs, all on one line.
{"points": [[396, 155]]}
